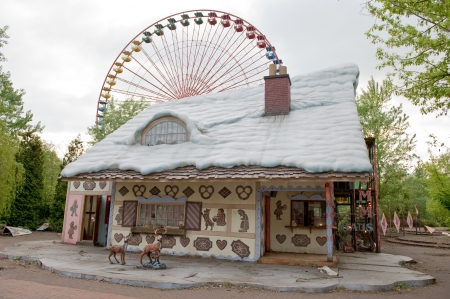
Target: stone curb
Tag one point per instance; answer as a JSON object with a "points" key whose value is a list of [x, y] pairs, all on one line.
{"points": [[162, 285]]}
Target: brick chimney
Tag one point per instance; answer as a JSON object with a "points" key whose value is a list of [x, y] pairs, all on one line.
{"points": [[277, 93]]}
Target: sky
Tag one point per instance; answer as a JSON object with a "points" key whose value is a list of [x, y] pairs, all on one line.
{"points": [[59, 52]]}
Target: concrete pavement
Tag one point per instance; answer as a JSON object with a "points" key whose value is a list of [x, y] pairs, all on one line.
{"points": [[357, 271]]}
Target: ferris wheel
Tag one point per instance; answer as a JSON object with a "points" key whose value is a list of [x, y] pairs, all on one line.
{"points": [[187, 54]]}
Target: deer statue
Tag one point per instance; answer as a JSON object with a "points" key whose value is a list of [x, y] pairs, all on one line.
{"points": [[155, 247], [119, 249]]}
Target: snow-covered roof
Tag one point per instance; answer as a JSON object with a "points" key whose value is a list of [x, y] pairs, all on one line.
{"points": [[322, 132]]}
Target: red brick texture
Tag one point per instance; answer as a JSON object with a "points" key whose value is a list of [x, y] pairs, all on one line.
{"points": [[277, 94]]}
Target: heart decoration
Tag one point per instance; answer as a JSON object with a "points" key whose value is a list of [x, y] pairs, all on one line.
{"points": [[76, 184], [281, 238], [221, 244], [118, 237], [321, 240], [102, 185], [150, 239], [184, 241]]}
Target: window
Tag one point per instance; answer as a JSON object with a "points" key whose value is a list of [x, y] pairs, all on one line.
{"points": [[155, 214], [165, 131], [308, 213]]}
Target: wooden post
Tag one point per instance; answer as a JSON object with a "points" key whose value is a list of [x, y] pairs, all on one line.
{"points": [[329, 222]]}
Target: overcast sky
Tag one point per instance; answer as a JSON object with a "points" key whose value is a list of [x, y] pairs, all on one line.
{"points": [[61, 51]]}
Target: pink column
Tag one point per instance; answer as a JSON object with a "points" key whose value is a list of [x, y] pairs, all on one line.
{"points": [[329, 221]]}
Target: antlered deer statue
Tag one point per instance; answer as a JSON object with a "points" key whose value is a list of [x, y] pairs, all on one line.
{"points": [[119, 249], [155, 247]]}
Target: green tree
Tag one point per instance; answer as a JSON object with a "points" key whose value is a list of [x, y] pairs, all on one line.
{"points": [[11, 109], [438, 178], [387, 124], [26, 209], [416, 39], [3, 41], [51, 169], [115, 116], [75, 149], [11, 172]]}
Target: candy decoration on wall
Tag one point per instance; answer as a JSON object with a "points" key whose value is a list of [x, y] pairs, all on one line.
{"points": [[279, 210], [301, 240], [118, 237], [240, 248], [89, 185], [281, 238], [221, 244], [150, 239], [139, 190], [224, 192], [184, 241], [321, 240], [119, 216], [155, 191], [171, 190], [244, 192], [244, 221], [220, 218], [72, 229], [74, 208], [188, 191], [102, 185], [123, 191], [168, 242], [206, 191], [208, 221], [203, 244], [76, 184], [135, 239]]}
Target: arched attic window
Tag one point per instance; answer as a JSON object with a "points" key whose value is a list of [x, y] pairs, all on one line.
{"points": [[167, 130]]}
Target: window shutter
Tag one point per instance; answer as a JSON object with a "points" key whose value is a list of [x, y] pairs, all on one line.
{"points": [[193, 216], [129, 213]]}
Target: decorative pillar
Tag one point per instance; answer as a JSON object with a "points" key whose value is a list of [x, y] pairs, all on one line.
{"points": [[329, 221]]}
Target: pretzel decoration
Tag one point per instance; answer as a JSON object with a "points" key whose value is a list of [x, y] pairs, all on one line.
{"points": [[244, 192], [171, 190], [139, 190], [206, 191]]}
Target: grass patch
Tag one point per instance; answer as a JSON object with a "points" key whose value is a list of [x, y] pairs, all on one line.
{"points": [[401, 286]]}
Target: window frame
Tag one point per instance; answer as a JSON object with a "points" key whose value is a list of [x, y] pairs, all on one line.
{"points": [[161, 120], [306, 210], [139, 210]]}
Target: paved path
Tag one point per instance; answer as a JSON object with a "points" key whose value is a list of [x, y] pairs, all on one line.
{"points": [[358, 271]]}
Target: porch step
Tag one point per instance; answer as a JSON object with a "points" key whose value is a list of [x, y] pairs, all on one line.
{"points": [[297, 259]]}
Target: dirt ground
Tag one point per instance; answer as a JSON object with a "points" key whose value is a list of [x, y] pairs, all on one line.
{"points": [[19, 279]]}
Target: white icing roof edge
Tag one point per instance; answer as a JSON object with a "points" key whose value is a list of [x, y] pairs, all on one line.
{"points": [[321, 133]]}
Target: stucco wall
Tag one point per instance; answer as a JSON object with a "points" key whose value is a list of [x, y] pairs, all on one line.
{"points": [[234, 240]]}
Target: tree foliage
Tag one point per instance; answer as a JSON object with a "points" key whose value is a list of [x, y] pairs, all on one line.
{"points": [[115, 116], [416, 39], [11, 172], [438, 178], [3, 41], [11, 109], [27, 209], [51, 169], [387, 124]]}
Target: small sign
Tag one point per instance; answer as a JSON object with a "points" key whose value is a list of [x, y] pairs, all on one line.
{"points": [[397, 222], [342, 200], [383, 224], [409, 220]]}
